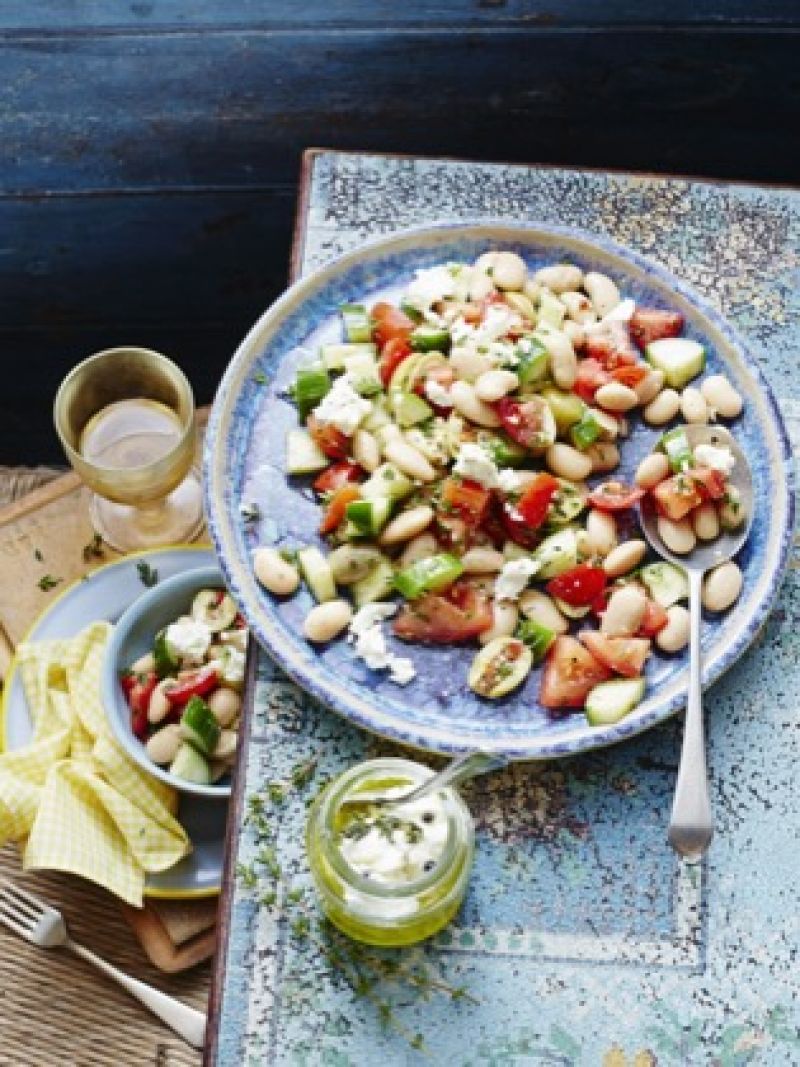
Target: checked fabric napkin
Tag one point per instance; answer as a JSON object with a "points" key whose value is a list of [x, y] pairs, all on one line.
{"points": [[72, 794]]}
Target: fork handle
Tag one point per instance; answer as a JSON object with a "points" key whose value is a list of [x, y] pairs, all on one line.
{"points": [[186, 1021]]}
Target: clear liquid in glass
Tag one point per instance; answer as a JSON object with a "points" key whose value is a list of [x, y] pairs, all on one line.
{"points": [[129, 434]]}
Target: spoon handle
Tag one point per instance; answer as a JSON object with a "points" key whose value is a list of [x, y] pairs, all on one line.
{"points": [[691, 827], [467, 766]]}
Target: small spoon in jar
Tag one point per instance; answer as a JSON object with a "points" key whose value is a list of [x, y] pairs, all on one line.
{"points": [[470, 765], [691, 825]]}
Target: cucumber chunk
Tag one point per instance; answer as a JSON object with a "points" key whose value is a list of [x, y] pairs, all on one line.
{"points": [[551, 310], [611, 701], [680, 358], [334, 356], [430, 339], [317, 573], [368, 517], [666, 583], [357, 325], [387, 481], [377, 585], [199, 726], [312, 384], [409, 409], [190, 765], [167, 662], [215, 609], [428, 575], [537, 637], [557, 553], [302, 454]]}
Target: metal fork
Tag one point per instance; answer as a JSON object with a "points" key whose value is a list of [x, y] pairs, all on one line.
{"points": [[36, 921]]}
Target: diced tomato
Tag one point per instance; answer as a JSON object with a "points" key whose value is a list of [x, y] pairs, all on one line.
{"points": [[337, 475], [535, 501], [524, 421], [711, 483], [328, 438], [611, 346], [127, 680], [452, 531], [460, 614], [675, 497], [570, 671], [139, 724], [466, 498], [393, 353], [580, 586], [472, 312], [591, 376], [651, 324], [516, 528], [389, 323], [198, 684], [140, 691], [615, 496], [631, 374], [623, 655], [655, 619], [337, 506]]}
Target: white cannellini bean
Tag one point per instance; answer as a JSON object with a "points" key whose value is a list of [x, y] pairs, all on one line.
{"points": [[721, 396], [509, 271], [616, 397], [505, 616], [560, 278], [652, 470], [722, 586], [351, 563], [482, 561], [602, 292], [575, 332], [225, 748], [421, 547], [485, 261], [665, 407], [677, 536], [579, 308], [144, 664], [366, 450], [162, 747], [649, 387], [225, 704], [604, 456], [467, 404], [624, 558], [406, 525], [409, 460], [469, 364], [534, 604], [675, 635], [563, 361], [731, 512], [625, 611], [158, 706], [274, 572], [567, 462], [705, 522], [601, 526], [495, 384], [480, 286], [326, 621], [532, 290], [693, 405], [523, 304], [390, 432]]}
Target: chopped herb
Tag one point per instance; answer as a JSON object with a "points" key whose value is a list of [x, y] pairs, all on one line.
{"points": [[48, 582], [260, 378], [250, 512], [94, 549], [148, 575], [37, 555]]}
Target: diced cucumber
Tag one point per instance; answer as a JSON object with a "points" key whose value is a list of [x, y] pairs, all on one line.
{"points": [[675, 444], [303, 456], [310, 386], [611, 701], [533, 361], [666, 583], [538, 638], [570, 610], [410, 310], [557, 553], [430, 339], [567, 503], [408, 408], [199, 726], [190, 765], [387, 481], [503, 450], [680, 358], [317, 573], [377, 585], [378, 417], [362, 371], [368, 517], [215, 609], [551, 310], [167, 660], [586, 430], [357, 325], [567, 408], [428, 575], [334, 355]]}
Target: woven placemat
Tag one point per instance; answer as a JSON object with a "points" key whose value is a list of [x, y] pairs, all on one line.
{"points": [[57, 1011], [15, 482]]}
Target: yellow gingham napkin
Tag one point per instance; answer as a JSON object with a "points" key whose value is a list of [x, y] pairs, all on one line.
{"points": [[82, 804]]}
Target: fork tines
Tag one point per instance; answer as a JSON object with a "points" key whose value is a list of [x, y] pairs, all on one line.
{"points": [[20, 911]]}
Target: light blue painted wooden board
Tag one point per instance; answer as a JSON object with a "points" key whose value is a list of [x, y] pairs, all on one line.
{"points": [[581, 933]]}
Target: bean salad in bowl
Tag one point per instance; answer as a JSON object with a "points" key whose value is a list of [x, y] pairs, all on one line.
{"points": [[449, 440]]}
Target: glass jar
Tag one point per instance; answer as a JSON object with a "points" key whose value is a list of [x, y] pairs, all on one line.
{"points": [[378, 912]]}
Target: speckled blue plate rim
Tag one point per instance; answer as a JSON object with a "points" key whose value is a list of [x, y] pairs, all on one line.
{"points": [[221, 440]]}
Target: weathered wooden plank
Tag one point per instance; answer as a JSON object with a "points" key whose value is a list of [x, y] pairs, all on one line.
{"points": [[236, 109], [53, 15]]}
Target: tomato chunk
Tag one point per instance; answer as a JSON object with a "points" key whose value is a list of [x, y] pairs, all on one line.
{"points": [[337, 506], [570, 671], [615, 496], [591, 375], [389, 323], [533, 505], [655, 619], [337, 475], [651, 324], [328, 438], [580, 586], [459, 614], [198, 684], [623, 655], [466, 498], [393, 353], [711, 483], [631, 374], [611, 346], [675, 497], [526, 422], [139, 690]]}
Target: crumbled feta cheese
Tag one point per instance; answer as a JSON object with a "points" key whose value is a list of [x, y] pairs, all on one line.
{"points": [[188, 639], [231, 664], [430, 286], [343, 407], [622, 312], [475, 463], [370, 643], [719, 459], [510, 481], [438, 394], [513, 578], [497, 322]]}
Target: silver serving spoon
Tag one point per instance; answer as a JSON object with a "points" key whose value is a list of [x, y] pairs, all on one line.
{"points": [[470, 765], [691, 826]]}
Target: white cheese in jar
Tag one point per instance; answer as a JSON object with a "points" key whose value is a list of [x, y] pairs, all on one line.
{"points": [[342, 407]]}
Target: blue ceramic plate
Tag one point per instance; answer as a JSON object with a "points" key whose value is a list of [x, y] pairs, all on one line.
{"points": [[106, 594], [244, 457]]}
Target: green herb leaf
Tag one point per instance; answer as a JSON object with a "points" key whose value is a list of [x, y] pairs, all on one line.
{"points": [[48, 582], [148, 575]]}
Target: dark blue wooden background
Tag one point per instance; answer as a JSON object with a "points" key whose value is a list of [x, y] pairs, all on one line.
{"points": [[150, 149]]}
